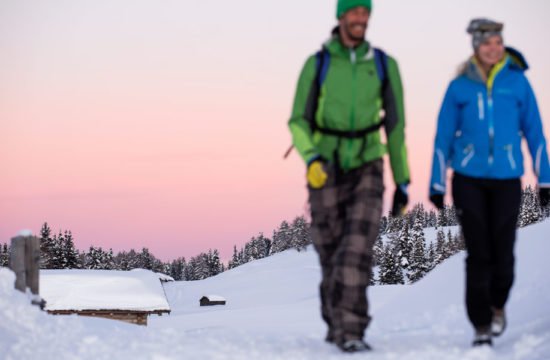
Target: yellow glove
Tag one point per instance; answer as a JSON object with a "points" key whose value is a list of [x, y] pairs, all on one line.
{"points": [[316, 174]]}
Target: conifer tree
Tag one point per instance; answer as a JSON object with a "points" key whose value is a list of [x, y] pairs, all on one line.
{"points": [[378, 250], [300, 233], [4, 255], [405, 246], [390, 271], [70, 254], [418, 265], [46, 247], [440, 247], [282, 238], [234, 262]]}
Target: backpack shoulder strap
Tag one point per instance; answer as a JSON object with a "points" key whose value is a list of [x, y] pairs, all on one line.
{"points": [[322, 63], [381, 60]]}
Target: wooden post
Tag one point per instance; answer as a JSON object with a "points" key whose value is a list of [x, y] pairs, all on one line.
{"points": [[32, 263], [25, 262], [17, 262]]}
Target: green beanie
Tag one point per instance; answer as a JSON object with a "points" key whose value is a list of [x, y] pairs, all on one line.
{"points": [[345, 5]]}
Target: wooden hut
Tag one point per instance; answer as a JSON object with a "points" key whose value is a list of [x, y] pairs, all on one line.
{"points": [[129, 296], [209, 300]]}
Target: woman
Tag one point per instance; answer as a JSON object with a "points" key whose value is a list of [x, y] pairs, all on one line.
{"points": [[487, 110]]}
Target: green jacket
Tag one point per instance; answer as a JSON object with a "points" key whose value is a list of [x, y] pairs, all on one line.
{"points": [[350, 99]]}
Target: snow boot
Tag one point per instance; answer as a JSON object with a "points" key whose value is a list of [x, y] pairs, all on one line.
{"points": [[483, 337], [352, 346], [498, 324]]}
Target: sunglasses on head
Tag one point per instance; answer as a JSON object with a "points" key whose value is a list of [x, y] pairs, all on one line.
{"points": [[493, 27]]}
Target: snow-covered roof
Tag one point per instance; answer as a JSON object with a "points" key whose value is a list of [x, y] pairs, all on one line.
{"points": [[102, 290], [214, 297], [164, 277]]}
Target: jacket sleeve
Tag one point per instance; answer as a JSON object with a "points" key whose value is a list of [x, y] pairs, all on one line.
{"points": [[298, 124], [395, 125], [531, 126], [447, 125]]}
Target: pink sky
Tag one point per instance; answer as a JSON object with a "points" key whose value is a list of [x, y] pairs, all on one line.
{"points": [[162, 125]]}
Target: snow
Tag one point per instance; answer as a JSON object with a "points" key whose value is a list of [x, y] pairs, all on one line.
{"points": [[161, 276], [24, 233], [102, 290], [273, 313], [215, 297]]}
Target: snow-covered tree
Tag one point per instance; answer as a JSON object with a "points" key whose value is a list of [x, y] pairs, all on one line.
{"points": [[390, 271], [442, 217], [4, 255], [418, 266], [378, 250], [441, 248], [70, 257], [282, 238], [383, 225], [98, 259], [530, 211], [47, 254], [300, 237], [404, 246], [176, 269], [234, 262], [214, 263]]}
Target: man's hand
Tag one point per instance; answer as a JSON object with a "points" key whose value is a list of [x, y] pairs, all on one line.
{"points": [[316, 174], [437, 200], [400, 200], [544, 196]]}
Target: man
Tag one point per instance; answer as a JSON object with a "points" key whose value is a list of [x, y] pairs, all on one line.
{"points": [[335, 127]]}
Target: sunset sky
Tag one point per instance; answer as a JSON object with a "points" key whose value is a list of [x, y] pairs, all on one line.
{"points": [[162, 124]]}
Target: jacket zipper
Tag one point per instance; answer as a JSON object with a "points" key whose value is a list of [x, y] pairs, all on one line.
{"points": [[353, 59], [490, 86], [491, 127], [480, 105]]}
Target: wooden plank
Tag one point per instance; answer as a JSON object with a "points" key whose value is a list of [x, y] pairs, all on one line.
{"points": [[32, 263], [17, 262]]}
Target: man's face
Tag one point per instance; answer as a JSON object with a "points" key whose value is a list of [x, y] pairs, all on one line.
{"points": [[491, 51], [354, 22]]}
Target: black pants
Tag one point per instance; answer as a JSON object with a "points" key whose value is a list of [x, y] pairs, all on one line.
{"points": [[488, 211]]}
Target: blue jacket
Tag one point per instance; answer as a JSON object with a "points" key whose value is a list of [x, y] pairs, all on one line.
{"points": [[481, 125]]}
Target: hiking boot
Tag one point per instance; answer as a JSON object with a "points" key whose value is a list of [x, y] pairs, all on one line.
{"points": [[352, 346], [483, 336], [498, 324]]}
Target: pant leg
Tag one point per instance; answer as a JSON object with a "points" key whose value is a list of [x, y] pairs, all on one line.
{"points": [[505, 204], [326, 233], [471, 199], [362, 193]]}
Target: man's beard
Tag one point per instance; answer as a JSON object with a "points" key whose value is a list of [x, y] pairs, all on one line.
{"points": [[350, 34]]}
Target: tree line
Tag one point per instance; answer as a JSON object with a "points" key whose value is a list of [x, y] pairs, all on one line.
{"points": [[404, 257]]}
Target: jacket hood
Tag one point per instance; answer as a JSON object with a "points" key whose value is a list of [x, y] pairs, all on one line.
{"points": [[515, 60]]}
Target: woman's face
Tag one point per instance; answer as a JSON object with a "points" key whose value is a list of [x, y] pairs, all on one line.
{"points": [[491, 51]]}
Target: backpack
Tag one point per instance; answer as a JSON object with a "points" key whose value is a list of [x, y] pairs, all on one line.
{"points": [[322, 65]]}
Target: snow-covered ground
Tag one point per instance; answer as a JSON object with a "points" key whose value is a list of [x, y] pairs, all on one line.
{"points": [[272, 312]]}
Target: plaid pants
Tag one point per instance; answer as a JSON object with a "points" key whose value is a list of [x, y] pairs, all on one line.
{"points": [[345, 217]]}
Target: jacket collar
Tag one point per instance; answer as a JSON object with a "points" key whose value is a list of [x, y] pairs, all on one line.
{"points": [[513, 59], [336, 48]]}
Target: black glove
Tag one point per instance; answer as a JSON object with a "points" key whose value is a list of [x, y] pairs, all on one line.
{"points": [[400, 200], [437, 200], [544, 196]]}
